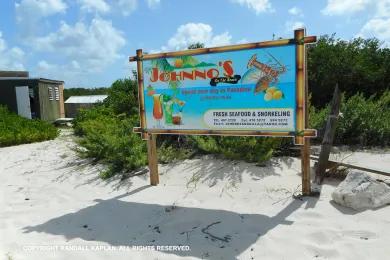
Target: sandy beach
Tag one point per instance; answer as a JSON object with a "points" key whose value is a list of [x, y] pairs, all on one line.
{"points": [[54, 206]]}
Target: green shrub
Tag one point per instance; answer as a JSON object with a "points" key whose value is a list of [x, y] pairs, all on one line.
{"points": [[168, 152], [123, 97], [18, 130], [83, 115], [364, 121], [357, 65], [109, 138], [251, 149]]}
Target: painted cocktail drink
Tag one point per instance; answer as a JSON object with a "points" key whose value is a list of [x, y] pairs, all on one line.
{"points": [[178, 115], [176, 119], [168, 107], [157, 108]]}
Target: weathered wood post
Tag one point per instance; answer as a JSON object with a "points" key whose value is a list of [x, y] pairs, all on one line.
{"points": [[151, 138], [302, 109], [305, 150], [152, 160], [327, 141]]}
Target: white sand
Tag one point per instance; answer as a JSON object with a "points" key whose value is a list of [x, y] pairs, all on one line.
{"points": [[253, 205]]}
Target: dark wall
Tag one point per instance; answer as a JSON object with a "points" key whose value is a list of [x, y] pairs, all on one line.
{"points": [[72, 109], [8, 94]]}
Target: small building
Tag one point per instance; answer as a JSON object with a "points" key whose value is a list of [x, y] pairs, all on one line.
{"points": [[32, 97], [74, 103]]}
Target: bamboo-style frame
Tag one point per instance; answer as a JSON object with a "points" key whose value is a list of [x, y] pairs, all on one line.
{"points": [[300, 39], [300, 85]]}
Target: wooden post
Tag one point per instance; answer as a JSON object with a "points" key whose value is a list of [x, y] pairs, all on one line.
{"points": [[152, 159], [151, 138], [327, 141], [299, 36], [140, 78], [305, 149], [305, 166]]}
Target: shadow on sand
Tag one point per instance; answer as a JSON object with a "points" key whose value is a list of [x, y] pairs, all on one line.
{"points": [[210, 170], [119, 222]]}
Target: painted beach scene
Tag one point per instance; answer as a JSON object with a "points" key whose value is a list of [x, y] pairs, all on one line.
{"points": [[187, 87]]}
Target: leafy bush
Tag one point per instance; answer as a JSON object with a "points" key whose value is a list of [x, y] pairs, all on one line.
{"points": [[109, 138], [18, 130], [365, 121], [358, 65], [169, 152], [97, 112], [251, 149], [123, 97]]}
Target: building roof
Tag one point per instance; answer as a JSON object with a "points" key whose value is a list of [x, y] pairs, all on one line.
{"points": [[13, 73], [38, 79], [91, 99]]}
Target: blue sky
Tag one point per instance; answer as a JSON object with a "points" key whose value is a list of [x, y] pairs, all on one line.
{"points": [[87, 42]]}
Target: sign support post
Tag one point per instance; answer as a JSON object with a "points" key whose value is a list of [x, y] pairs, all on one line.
{"points": [[305, 153], [152, 159], [302, 109], [151, 138]]}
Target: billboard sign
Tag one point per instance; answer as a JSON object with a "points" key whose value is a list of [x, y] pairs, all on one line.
{"points": [[248, 89]]}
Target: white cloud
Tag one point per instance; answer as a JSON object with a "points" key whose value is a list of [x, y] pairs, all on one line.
{"points": [[10, 58], [42, 8], [94, 6], [220, 40], [127, 6], [341, 7], [30, 12], [153, 3], [92, 46], [44, 66], [73, 76], [242, 41], [293, 25], [377, 27], [190, 33], [259, 6], [295, 11], [383, 8], [379, 24], [75, 65]]}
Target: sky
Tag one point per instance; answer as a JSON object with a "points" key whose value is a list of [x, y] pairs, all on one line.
{"points": [[87, 43]]}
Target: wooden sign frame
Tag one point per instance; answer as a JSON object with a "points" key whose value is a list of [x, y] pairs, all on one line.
{"points": [[301, 135]]}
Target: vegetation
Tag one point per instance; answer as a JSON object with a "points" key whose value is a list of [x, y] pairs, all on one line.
{"points": [[18, 130], [251, 149], [358, 66], [109, 138], [196, 45], [107, 130], [364, 121], [84, 91]]}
